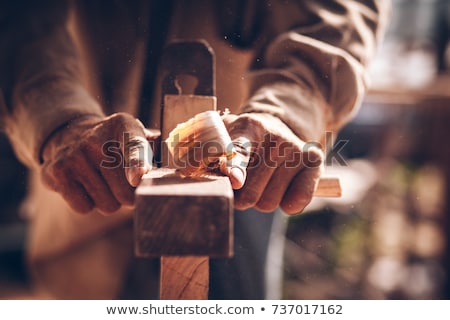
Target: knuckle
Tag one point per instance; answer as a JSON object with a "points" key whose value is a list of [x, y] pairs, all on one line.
{"points": [[59, 166], [47, 179], [114, 125], [228, 119], [59, 169], [118, 117], [247, 123]]}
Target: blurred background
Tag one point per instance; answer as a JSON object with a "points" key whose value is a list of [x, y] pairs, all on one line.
{"points": [[387, 237]]}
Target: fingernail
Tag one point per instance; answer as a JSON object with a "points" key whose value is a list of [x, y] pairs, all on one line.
{"points": [[237, 177], [129, 173], [134, 175]]}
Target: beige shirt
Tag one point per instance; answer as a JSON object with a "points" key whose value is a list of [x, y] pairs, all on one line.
{"points": [[303, 61]]}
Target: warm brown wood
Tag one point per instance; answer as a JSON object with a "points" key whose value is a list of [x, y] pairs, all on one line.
{"points": [[328, 187], [179, 109], [184, 278], [191, 216], [183, 216], [184, 221]]}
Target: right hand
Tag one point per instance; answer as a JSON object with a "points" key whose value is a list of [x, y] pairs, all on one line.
{"points": [[273, 167], [95, 163]]}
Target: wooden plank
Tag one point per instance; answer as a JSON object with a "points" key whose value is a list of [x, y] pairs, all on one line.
{"points": [[183, 216], [328, 187], [191, 216], [184, 221]]}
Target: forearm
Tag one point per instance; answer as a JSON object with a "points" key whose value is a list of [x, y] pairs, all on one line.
{"points": [[312, 73], [43, 89]]}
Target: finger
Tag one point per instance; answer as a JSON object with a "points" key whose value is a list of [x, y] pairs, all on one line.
{"points": [[249, 195], [96, 187], [73, 193], [236, 166], [54, 175], [137, 155], [237, 177], [136, 151], [301, 190], [276, 188], [243, 130], [117, 182], [258, 175], [111, 168], [76, 196], [291, 161]]}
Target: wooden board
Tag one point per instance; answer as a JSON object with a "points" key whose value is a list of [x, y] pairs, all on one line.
{"points": [[183, 216], [328, 187]]}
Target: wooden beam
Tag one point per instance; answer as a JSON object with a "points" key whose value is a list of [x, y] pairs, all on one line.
{"points": [[184, 221], [178, 215]]}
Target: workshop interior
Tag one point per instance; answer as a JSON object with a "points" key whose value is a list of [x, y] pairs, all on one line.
{"points": [[388, 236]]}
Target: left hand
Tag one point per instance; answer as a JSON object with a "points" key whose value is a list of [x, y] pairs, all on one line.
{"points": [[273, 166], [95, 162]]}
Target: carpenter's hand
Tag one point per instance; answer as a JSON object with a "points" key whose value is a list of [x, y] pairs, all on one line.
{"points": [[96, 162], [282, 169]]}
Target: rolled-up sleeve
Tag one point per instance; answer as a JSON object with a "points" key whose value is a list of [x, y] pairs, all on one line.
{"points": [[311, 72]]}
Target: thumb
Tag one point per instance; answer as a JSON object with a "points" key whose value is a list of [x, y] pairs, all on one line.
{"points": [[236, 166], [137, 153]]}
